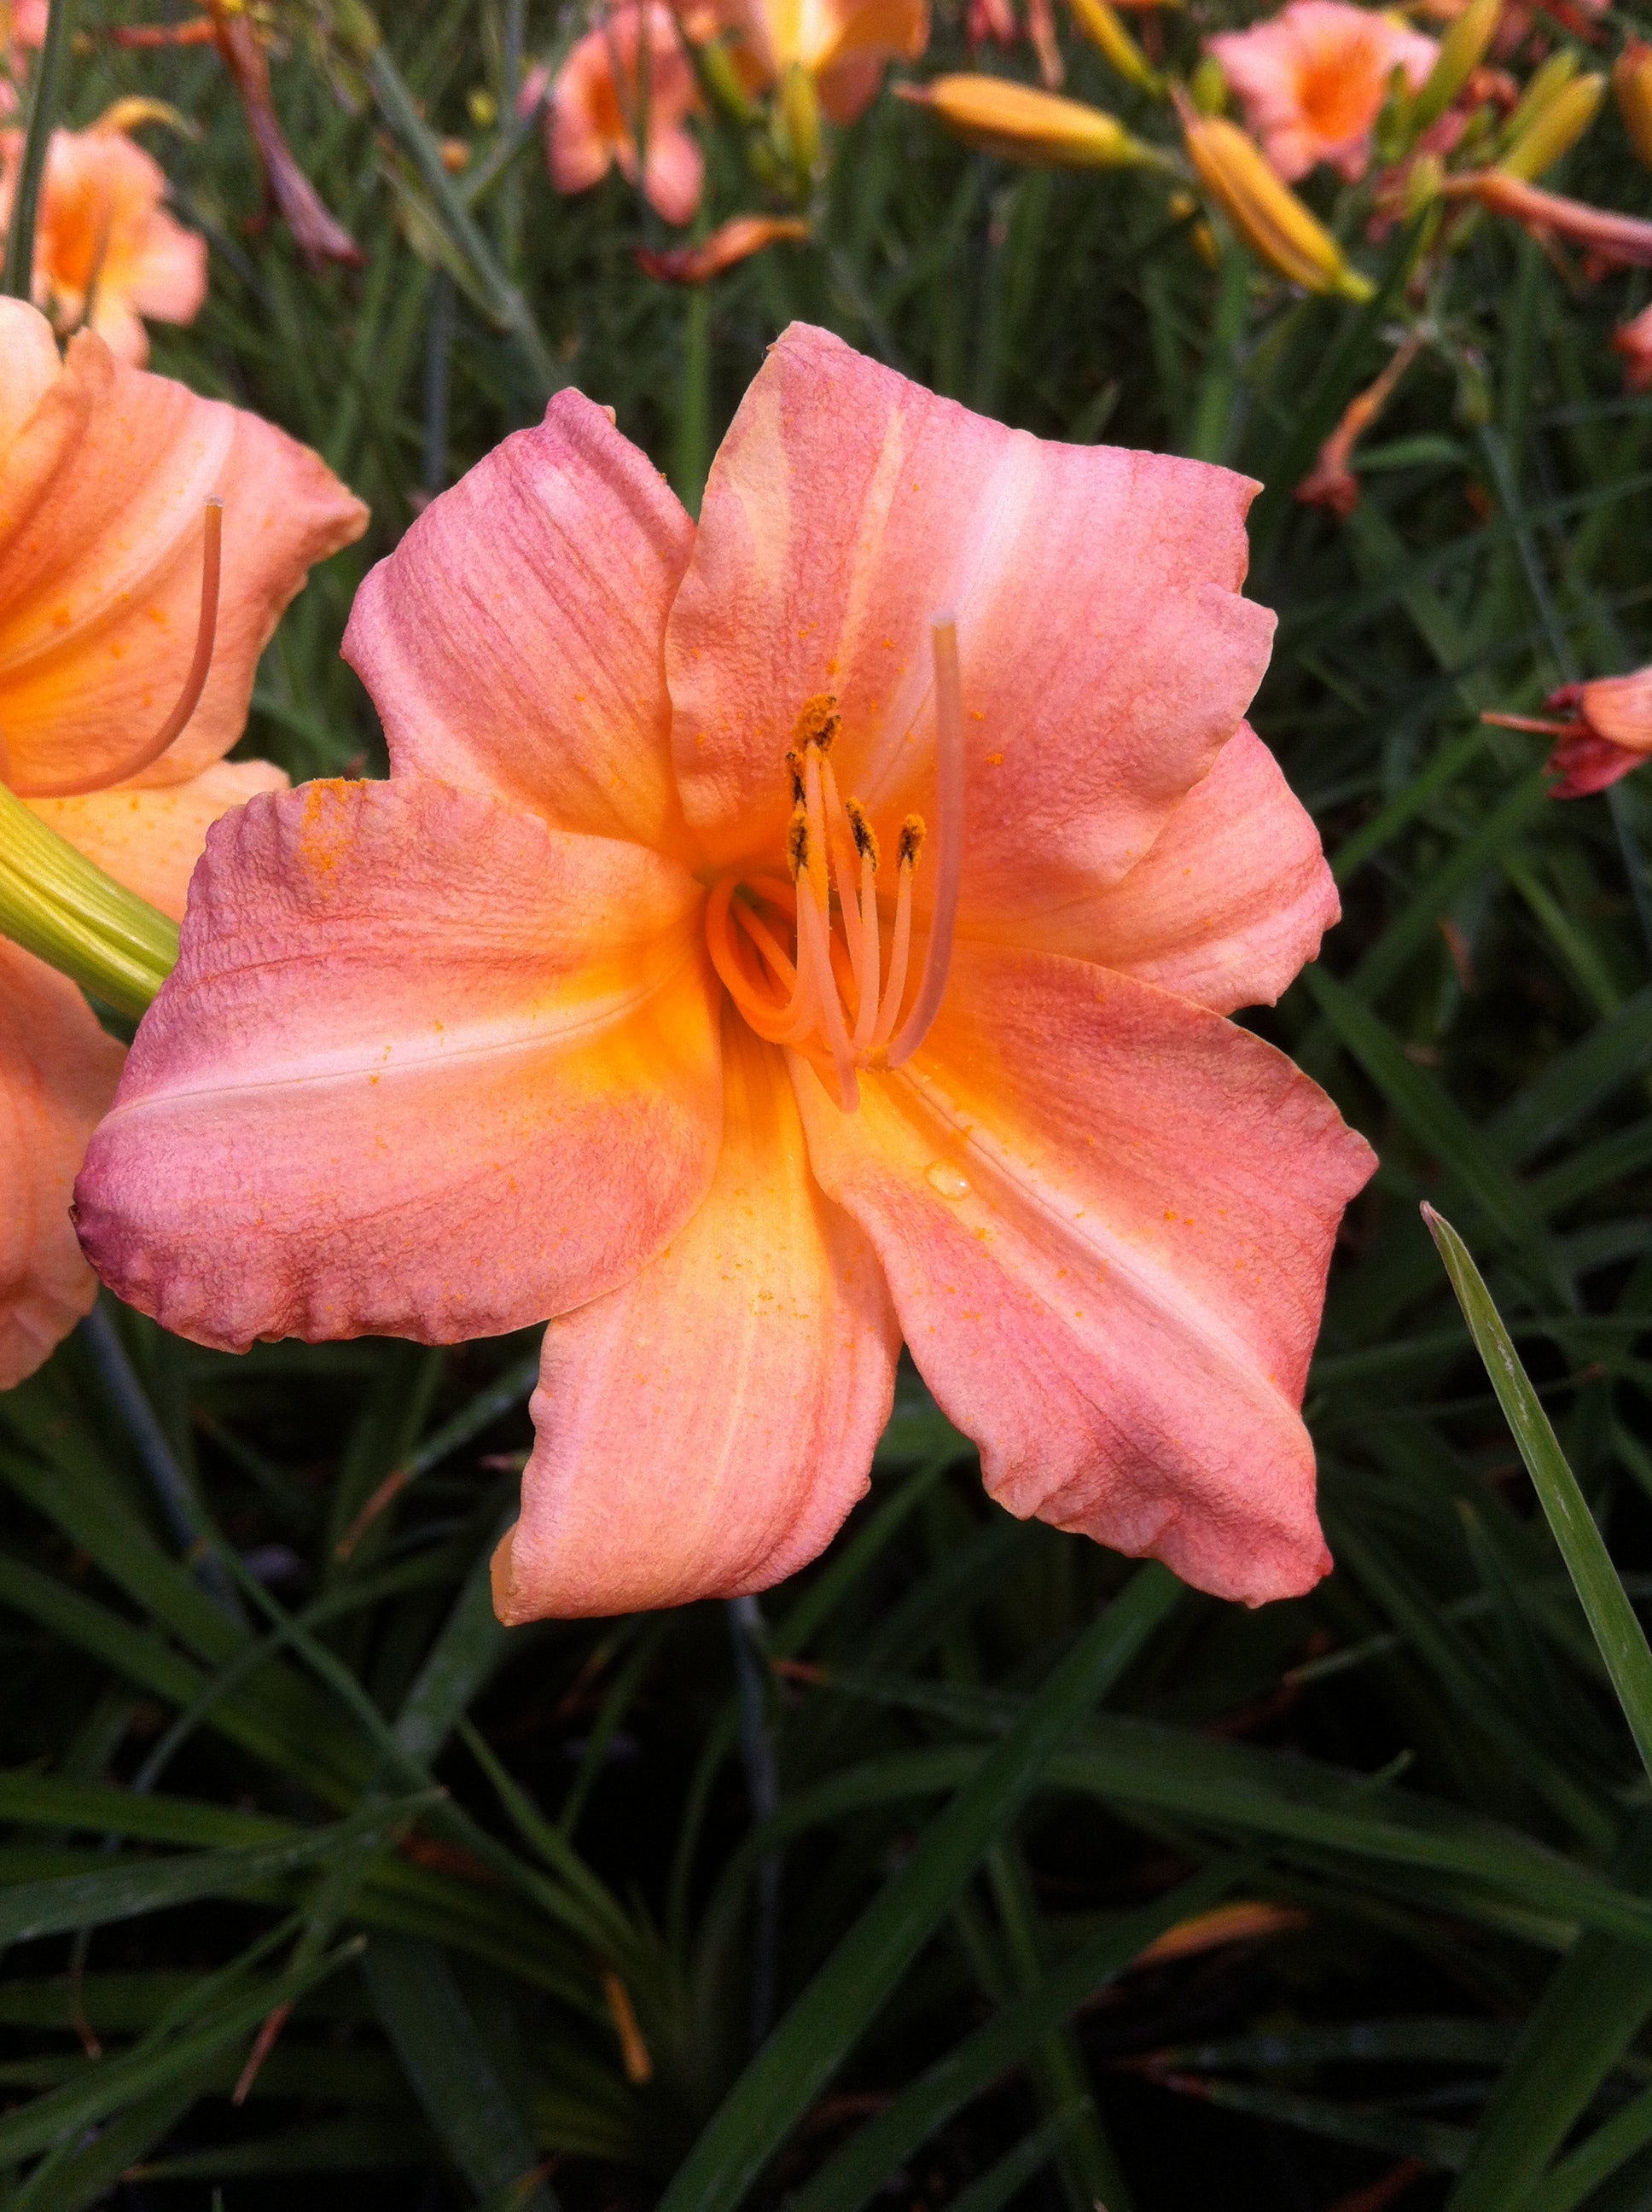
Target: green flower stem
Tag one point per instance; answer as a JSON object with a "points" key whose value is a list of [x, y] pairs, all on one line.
{"points": [[63, 908], [17, 277]]}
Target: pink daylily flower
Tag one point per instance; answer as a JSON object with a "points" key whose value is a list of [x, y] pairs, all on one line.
{"points": [[1313, 79], [547, 1024], [590, 117], [104, 470]]}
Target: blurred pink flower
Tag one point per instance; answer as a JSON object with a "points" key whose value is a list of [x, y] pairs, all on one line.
{"points": [[1605, 730], [1313, 79], [106, 253], [1634, 342], [592, 113], [845, 46], [608, 1006]]}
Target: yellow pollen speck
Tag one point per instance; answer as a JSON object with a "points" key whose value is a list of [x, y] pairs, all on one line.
{"points": [[977, 714], [995, 760]]}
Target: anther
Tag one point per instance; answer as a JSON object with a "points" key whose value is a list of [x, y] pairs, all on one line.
{"points": [[817, 723], [794, 770], [866, 837], [912, 842], [797, 840]]}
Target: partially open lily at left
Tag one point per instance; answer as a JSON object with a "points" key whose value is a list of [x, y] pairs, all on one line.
{"points": [[748, 970], [105, 476]]}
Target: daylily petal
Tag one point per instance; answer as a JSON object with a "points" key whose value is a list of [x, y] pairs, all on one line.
{"points": [[512, 641], [101, 529], [1229, 902], [705, 1429], [1107, 655], [1105, 1215], [150, 839], [673, 173], [58, 1074], [28, 353], [425, 1067]]}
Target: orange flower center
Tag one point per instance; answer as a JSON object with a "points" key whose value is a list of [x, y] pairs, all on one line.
{"points": [[1341, 90], [802, 955]]}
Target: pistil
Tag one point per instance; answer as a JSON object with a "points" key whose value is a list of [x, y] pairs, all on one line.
{"points": [[194, 683]]}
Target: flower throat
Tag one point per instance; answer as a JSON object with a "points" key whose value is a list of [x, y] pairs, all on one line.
{"points": [[834, 993]]}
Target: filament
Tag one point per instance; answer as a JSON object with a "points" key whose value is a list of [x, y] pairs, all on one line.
{"points": [[949, 765]]}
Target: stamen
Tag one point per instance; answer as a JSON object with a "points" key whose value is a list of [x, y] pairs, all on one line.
{"points": [[948, 771], [845, 871], [194, 683], [813, 948], [911, 844]]}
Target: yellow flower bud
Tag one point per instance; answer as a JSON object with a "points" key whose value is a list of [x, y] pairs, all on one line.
{"points": [[1104, 27], [1001, 116], [1207, 88], [61, 907], [1266, 213], [1461, 51], [800, 110], [1554, 128], [1631, 80]]}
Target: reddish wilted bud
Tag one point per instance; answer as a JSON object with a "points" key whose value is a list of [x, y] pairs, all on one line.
{"points": [[1332, 484], [1610, 240], [318, 234], [1605, 730], [731, 242]]}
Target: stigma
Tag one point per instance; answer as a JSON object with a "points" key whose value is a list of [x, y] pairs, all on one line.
{"points": [[811, 958]]}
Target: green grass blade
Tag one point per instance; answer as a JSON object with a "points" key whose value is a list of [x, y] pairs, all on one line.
{"points": [[426, 2017], [804, 2051], [1616, 1631]]}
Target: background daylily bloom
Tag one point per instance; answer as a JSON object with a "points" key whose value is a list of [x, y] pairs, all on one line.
{"points": [[845, 46], [618, 1002], [1605, 730], [106, 250], [104, 471], [590, 117], [1313, 79]]}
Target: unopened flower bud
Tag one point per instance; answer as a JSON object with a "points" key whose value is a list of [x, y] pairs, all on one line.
{"points": [[1001, 116], [800, 111], [720, 81], [1104, 27], [1631, 80], [1553, 128], [1207, 88], [1266, 213], [1462, 51]]}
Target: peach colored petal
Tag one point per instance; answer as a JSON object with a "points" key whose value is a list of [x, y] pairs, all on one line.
{"points": [[1312, 80], [705, 1430], [1231, 900], [512, 641], [101, 498], [589, 117], [58, 1074], [150, 839], [1105, 1215], [105, 242], [425, 1067], [1619, 708], [674, 171], [28, 368], [1107, 655]]}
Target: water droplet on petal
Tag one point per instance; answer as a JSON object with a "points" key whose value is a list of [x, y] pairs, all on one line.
{"points": [[946, 1179]]}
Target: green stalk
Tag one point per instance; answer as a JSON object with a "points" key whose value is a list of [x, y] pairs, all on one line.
{"points": [[16, 278], [63, 908]]}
